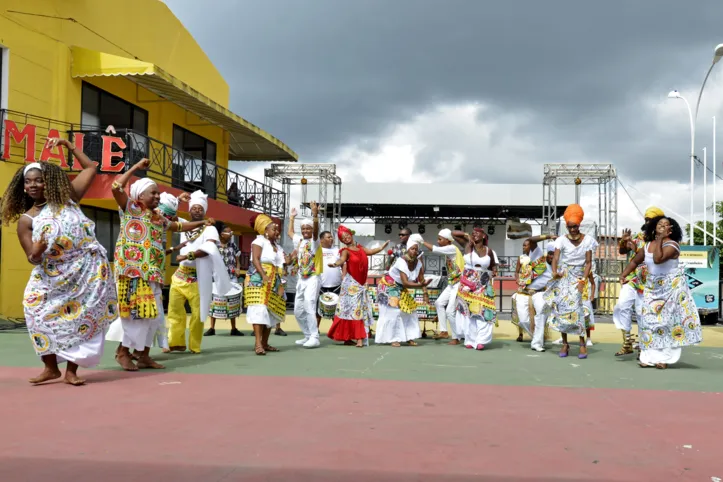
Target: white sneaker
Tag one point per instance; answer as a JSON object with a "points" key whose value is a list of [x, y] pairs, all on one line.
{"points": [[312, 343], [302, 341], [589, 342], [557, 342], [538, 349]]}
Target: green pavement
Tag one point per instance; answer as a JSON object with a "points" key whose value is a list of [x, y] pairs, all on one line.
{"points": [[505, 362]]}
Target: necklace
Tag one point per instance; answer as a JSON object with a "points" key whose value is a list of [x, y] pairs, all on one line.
{"points": [[194, 234], [40, 205]]}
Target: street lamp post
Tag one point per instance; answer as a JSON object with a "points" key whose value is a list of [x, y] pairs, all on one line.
{"points": [[717, 54]]}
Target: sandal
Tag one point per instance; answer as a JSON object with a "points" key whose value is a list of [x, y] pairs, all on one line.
{"points": [[564, 351], [412, 343], [583, 351], [661, 366], [260, 351], [645, 365], [396, 344], [270, 348], [349, 343], [627, 348]]}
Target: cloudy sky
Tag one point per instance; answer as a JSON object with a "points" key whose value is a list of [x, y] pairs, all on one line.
{"points": [[474, 90]]}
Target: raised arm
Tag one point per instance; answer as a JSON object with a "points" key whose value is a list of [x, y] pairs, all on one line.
{"points": [[315, 216], [119, 186], [290, 230], [461, 237], [84, 179], [179, 227], [536, 239], [665, 250], [626, 242], [342, 259], [371, 252], [633, 265]]}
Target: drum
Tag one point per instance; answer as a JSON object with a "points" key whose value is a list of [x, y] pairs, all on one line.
{"points": [[327, 304], [228, 306]]}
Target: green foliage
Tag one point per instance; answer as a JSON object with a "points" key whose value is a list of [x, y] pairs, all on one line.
{"points": [[698, 236]]}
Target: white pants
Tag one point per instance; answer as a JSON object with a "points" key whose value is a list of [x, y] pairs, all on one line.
{"points": [[446, 308], [523, 313], [307, 294], [85, 355], [475, 332], [623, 311], [139, 334]]}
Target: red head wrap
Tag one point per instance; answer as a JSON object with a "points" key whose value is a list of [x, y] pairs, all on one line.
{"points": [[574, 214], [343, 229]]}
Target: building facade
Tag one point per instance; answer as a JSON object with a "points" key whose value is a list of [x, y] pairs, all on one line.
{"points": [[72, 69]]}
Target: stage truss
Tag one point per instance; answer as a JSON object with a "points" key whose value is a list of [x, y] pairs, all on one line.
{"points": [[605, 177], [305, 175]]}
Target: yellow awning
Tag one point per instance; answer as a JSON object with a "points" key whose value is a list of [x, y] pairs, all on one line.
{"points": [[247, 142]]}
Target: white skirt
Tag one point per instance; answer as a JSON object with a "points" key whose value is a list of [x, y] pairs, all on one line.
{"points": [[475, 332], [259, 315], [85, 355], [394, 326], [668, 356]]}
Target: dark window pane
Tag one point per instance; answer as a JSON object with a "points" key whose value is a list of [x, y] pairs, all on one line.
{"points": [[210, 152], [140, 121], [115, 112], [90, 107]]}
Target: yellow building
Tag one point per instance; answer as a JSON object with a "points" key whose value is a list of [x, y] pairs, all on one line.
{"points": [[72, 68]]}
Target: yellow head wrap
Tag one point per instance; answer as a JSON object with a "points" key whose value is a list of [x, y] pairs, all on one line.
{"points": [[261, 222], [653, 212]]}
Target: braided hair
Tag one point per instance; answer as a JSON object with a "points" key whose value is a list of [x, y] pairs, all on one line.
{"points": [[58, 191]]}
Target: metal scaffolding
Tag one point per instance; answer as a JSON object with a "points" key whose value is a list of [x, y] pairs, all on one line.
{"points": [[605, 177], [322, 175]]}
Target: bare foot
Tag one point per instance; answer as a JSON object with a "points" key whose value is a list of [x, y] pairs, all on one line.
{"points": [[136, 355], [453, 342], [148, 362], [360, 344], [166, 350], [73, 379], [46, 376], [126, 363]]}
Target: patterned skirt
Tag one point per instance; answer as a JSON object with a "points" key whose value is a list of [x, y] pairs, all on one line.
{"points": [[256, 292], [669, 316], [353, 313], [565, 304], [476, 296]]}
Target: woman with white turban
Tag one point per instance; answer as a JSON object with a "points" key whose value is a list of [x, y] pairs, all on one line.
{"points": [[193, 281], [398, 321], [140, 257]]}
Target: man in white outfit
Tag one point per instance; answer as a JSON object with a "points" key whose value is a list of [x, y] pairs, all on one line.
{"points": [[446, 304], [330, 277], [537, 287], [311, 265]]}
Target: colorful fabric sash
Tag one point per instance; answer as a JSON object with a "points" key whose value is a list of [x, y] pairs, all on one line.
{"points": [[394, 295], [136, 299], [636, 279], [256, 292], [476, 296], [186, 274], [455, 267], [310, 265], [530, 271]]}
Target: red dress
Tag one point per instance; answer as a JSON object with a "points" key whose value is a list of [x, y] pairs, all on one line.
{"points": [[357, 267]]}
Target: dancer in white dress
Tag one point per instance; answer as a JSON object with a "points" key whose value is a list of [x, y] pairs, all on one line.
{"points": [[476, 309], [70, 297], [670, 318], [398, 321]]}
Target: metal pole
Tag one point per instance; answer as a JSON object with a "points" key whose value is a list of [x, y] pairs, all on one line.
{"points": [[705, 195], [715, 180]]}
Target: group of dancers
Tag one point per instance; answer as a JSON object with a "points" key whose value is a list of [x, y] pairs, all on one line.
{"points": [[74, 302]]}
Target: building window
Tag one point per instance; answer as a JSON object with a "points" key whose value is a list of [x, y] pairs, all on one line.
{"points": [[107, 227], [4, 79], [100, 109], [194, 162]]}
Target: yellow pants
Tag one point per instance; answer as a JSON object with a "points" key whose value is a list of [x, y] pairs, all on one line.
{"points": [[182, 291]]}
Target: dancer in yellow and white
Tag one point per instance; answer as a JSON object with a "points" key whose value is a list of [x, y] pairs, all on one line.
{"points": [[529, 306], [446, 304], [311, 265], [193, 281]]}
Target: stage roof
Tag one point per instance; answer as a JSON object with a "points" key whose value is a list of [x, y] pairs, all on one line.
{"points": [[402, 200]]}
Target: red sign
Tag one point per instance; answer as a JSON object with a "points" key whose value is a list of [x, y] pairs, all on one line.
{"points": [[28, 137]]}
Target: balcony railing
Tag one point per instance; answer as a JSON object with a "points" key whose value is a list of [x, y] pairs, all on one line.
{"points": [[169, 165]]}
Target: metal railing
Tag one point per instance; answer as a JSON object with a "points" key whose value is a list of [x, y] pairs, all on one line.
{"points": [[169, 165]]}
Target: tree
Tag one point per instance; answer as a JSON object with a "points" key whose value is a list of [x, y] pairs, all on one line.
{"points": [[698, 235]]}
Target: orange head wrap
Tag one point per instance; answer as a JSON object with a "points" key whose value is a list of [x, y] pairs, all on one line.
{"points": [[574, 214]]}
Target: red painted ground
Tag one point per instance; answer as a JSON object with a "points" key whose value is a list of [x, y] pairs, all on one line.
{"points": [[212, 427]]}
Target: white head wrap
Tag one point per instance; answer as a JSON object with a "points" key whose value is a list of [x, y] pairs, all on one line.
{"points": [[32, 165], [414, 239], [140, 186], [550, 247], [198, 198], [306, 222], [446, 234], [170, 202]]}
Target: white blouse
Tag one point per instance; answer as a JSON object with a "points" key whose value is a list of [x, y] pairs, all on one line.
{"points": [[400, 266], [475, 261], [664, 267], [572, 255], [268, 255]]}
